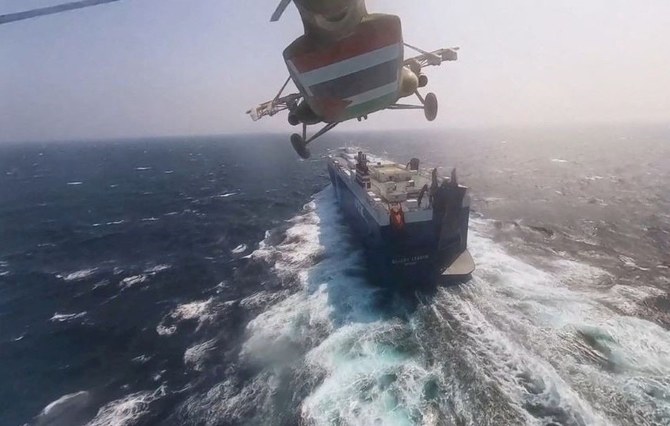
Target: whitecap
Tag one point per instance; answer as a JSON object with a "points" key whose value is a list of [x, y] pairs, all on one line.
{"points": [[141, 359], [80, 275], [66, 317], [239, 249], [195, 356], [158, 268], [62, 407], [227, 194], [558, 160], [132, 281], [142, 169], [101, 283], [166, 330], [630, 263], [514, 329], [128, 410], [75, 183], [202, 311]]}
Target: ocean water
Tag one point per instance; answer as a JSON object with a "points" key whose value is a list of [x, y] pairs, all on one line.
{"points": [[213, 281]]}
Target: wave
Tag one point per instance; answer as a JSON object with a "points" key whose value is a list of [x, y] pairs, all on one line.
{"points": [[519, 344], [158, 268], [66, 317], [65, 410], [80, 275], [195, 356], [202, 311], [127, 410], [133, 281], [239, 249]]}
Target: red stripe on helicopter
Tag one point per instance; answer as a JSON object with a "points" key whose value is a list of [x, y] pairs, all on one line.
{"points": [[369, 36]]}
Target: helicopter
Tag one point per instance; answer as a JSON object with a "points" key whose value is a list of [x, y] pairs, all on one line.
{"points": [[348, 64]]}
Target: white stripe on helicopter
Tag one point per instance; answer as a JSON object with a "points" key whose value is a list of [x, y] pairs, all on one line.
{"points": [[373, 94], [352, 65]]}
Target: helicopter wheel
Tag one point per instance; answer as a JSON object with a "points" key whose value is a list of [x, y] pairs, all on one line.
{"points": [[300, 146], [423, 80], [430, 106]]}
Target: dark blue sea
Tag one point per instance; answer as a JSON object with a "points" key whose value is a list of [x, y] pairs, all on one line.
{"points": [[213, 281]]}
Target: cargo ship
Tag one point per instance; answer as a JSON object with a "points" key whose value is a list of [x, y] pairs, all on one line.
{"points": [[411, 222]]}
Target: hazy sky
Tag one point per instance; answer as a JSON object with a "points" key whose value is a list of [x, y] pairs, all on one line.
{"points": [[182, 67]]}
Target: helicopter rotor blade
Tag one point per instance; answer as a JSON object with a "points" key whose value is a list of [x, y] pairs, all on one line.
{"points": [[50, 10], [283, 4]]}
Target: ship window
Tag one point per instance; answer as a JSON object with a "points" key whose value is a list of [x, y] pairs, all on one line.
{"points": [[368, 185]]}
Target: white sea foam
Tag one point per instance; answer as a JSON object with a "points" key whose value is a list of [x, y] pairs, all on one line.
{"points": [[630, 263], [141, 359], [200, 310], [228, 194], [66, 317], [128, 410], [203, 311], [80, 275], [239, 249], [133, 281], [164, 330], [158, 268], [56, 411], [75, 183], [558, 160], [519, 343], [525, 319], [195, 356]]}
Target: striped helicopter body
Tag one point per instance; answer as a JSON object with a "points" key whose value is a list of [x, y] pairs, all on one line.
{"points": [[348, 64], [353, 76]]}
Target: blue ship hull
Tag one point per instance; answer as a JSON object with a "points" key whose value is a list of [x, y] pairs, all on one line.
{"points": [[414, 257]]}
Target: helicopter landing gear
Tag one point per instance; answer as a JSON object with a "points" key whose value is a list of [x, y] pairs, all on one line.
{"points": [[300, 146], [300, 143], [430, 106]]}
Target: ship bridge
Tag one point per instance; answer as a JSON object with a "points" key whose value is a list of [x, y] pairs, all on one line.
{"points": [[385, 185]]}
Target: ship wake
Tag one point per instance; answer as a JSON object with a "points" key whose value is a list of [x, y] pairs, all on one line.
{"points": [[522, 342]]}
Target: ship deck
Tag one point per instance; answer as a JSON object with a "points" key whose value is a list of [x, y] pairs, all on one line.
{"points": [[390, 184]]}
